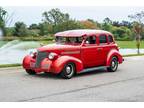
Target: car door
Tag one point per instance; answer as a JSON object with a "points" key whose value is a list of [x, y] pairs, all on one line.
{"points": [[90, 56], [103, 48]]}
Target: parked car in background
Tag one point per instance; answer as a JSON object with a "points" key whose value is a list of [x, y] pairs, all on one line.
{"points": [[74, 52]]}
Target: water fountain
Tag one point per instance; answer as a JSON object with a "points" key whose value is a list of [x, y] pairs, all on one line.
{"points": [[14, 51]]}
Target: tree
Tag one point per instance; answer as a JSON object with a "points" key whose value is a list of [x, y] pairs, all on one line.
{"points": [[116, 23], [9, 31], [43, 28], [126, 24], [20, 29], [69, 25], [121, 33], [138, 27], [33, 26], [107, 21], [3, 18], [88, 24], [107, 24], [55, 17]]}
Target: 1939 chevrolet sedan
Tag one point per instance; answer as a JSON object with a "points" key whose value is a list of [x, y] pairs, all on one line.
{"points": [[74, 52]]}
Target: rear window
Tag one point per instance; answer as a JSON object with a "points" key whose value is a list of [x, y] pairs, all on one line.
{"points": [[102, 39], [110, 38]]}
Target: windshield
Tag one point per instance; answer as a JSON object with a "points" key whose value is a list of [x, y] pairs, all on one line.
{"points": [[68, 40]]}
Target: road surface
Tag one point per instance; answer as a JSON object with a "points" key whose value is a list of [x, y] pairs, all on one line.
{"points": [[127, 84]]}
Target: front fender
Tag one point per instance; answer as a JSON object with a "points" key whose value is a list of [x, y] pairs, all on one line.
{"points": [[60, 62], [111, 54], [26, 62]]}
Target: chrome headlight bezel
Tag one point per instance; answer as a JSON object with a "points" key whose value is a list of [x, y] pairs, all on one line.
{"points": [[51, 56]]}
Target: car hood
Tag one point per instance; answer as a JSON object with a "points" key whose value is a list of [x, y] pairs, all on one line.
{"points": [[58, 48]]}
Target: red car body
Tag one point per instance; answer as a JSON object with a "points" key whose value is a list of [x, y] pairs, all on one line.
{"points": [[96, 48]]}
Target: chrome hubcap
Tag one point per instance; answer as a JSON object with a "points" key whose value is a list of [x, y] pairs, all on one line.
{"points": [[68, 69], [114, 65]]}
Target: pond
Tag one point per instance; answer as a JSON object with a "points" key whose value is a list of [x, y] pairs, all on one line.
{"points": [[14, 51]]}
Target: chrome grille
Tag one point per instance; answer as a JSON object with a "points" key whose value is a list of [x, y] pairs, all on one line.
{"points": [[40, 56]]}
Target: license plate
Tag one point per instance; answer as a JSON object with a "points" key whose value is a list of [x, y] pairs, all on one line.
{"points": [[32, 64]]}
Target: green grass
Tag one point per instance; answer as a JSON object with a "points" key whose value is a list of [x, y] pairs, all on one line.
{"points": [[129, 44], [131, 55], [9, 65], [2, 42]]}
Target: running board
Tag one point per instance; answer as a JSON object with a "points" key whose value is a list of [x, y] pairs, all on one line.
{"points": [[93, 68]]}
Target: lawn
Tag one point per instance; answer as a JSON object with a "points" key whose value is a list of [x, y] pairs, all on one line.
{"points": [[9, 65], [2, 43], [129, 44]]}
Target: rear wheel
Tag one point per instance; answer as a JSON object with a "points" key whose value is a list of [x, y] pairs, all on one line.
{"points": [[114, 65], [68, 70], [30, 72]]}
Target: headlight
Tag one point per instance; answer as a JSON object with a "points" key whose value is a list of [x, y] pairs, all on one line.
{"points": [[51, 56]]}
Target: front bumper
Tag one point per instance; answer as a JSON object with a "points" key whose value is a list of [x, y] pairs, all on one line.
{"points": [[30, 63]]}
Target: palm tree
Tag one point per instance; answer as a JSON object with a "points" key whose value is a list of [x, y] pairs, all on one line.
{"points": [[138, 27]]}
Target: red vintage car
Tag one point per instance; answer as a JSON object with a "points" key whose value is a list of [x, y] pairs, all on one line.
{"points": [[74, 52]]}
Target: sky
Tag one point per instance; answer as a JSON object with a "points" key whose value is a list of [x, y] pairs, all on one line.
{"points": [[33, 14]]}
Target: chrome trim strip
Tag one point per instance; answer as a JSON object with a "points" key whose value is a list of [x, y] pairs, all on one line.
{"points": [[71, 52]]}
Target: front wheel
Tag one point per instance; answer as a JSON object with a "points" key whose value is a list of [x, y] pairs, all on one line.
{"points": [[114, 65], [30, 72], [68, 70]]}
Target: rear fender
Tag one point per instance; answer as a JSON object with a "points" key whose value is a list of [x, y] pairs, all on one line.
{"points": [[111, 54], [60, 62]]}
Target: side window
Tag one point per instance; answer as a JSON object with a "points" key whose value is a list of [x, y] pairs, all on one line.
{"points": [[91, 40], [110, 38], [102, 39]]}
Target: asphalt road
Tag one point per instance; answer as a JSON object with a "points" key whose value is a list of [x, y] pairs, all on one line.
{"points": [[127, 84]]}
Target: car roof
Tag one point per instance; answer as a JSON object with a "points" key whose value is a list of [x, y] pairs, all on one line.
{"points": [[81, 32]]}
